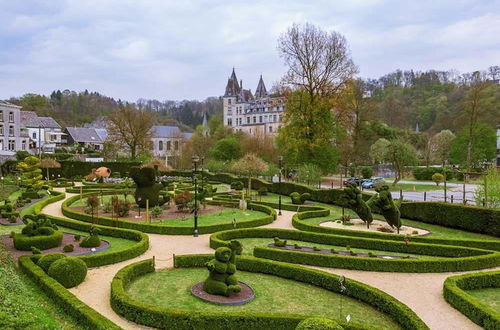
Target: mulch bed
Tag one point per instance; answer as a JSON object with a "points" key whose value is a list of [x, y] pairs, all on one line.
{"points": [[341, 253], [245, 295], [169, 214], [67, 239]]}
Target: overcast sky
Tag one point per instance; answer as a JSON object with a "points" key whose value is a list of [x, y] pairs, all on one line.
{"points": [[179, 49]]}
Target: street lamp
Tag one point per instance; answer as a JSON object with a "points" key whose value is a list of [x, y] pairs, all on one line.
{"points": [[455, 168], [486, 165], [280, 159], [202, 170], [444, 175], [195, 159]]}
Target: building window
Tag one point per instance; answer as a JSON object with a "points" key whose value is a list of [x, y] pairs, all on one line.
{"points": [[1, 129], [274, 118], [11, 130], [254, 119], [12, 145], [11, 117], [23, 145], [229, 122], [176, 145], [160, 145], [34, 135], [280, 118], [248, 120], [260, 119], [270, 129], [168, 145], [1, 116]]}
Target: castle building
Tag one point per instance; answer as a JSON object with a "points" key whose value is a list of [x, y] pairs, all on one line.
{"points": [[257, 113]]}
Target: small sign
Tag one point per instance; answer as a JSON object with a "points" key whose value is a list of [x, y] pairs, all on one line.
{"points": [[348, 317]]}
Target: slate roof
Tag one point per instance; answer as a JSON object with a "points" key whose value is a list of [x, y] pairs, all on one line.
{"points": [[49, 122], [30, 119], [165, 131], [84, 135], [187, 136], [261, 89], [8, 104], [233, 87], [102, 132]]}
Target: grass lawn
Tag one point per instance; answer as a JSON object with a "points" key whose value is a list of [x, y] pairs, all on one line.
{"points": [[488, 296], [250, 243], [171, 288], [23, 305], [436, 231]]}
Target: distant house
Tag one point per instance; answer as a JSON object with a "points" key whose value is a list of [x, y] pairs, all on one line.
{"points": [[45, 133], [167, 141], [12, 137], [89, 138]]}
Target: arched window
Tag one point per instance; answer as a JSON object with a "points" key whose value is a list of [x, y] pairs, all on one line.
{"points": [[160, 145]]}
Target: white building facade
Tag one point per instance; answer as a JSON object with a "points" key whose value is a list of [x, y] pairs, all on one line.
{"points": [[167, 141], [257, 113], [12, 137]]}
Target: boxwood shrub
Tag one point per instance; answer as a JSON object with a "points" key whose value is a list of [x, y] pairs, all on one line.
{"points": [[171, 318], [455, 294], [47, 259], [69, 271], [85, 315], [42, 242]]}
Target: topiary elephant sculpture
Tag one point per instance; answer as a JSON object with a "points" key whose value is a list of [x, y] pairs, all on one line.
{"points": [[389, 209], [221, 279], [146, 187], [354, 199]]}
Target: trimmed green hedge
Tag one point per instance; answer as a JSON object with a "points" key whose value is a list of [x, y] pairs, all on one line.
{"points": [[73, 168], [65, 299], [171, 230], [42, 242], [105, 258], [454, 258], [170, 318], [479, 313]]}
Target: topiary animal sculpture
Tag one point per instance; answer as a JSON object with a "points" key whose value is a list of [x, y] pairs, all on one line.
{"points": [[147, 187], [279, 242], [299, 199], [354, 200], [37, 225], [221, 273], [390, 210], [93, 239]]}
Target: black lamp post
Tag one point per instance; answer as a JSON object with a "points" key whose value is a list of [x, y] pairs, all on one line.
{"points": [[486, 165], [195, 181], [455, 168], [202, 182], [445, 179], [280, 159]]}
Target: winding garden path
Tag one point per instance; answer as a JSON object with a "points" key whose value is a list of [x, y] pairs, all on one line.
{"points": [[421, 292]]}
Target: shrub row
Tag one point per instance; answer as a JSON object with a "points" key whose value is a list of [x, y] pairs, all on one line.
{"points": [[170, 230], [426, 173], [73, 168], [478, 312], [453, 258], [85, 315], [42, 242], [365, 293]]}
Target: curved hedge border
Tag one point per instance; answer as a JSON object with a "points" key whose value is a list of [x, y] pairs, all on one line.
{"points": [[108, 257], [478, 312], [171, 230], [454, 258], [65, 299], [42, 242], [471, 218], [169, 318]]}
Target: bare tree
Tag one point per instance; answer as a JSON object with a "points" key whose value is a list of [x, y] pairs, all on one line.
{"points": [[318, 61], [131, 128]]}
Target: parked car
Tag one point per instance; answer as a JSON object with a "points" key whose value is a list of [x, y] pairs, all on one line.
{"points": [[353, 180], [370, 183]]}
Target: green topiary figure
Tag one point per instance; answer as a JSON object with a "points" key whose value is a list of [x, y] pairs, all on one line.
{"points": [[279, 242], [383, 201], [93, 239], [354, 200], [318, 323], [221, 280], [299, 199], [37, 225], [69, 271], [32, 173], [48, 259], [147, 187]]}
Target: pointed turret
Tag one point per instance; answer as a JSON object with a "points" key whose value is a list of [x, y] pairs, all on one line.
{"points": [[232, 87], [261, 91], [204, 124]]}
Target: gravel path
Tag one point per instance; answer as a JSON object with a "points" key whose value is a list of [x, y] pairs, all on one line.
{"points": [[421, 292]]}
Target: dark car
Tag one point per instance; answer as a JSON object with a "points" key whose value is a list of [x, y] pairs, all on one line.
{"points": [[352, 180]]}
